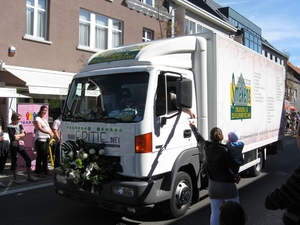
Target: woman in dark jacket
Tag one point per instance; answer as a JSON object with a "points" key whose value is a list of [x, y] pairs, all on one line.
{"points": [[222, 185], [287, 196]]}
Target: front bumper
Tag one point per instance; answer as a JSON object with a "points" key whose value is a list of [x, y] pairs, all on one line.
{"points": [[142, 200]]}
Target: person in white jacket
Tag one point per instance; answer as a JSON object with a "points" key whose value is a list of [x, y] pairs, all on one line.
{"points": [[43, 134]]}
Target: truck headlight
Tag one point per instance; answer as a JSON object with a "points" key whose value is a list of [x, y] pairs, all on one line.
{"points": [[123, 191]]}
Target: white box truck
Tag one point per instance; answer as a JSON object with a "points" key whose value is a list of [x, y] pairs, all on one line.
{"points": [[120, 105]]}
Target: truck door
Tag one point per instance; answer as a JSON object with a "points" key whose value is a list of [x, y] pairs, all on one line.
{"points": [[173, 132]]}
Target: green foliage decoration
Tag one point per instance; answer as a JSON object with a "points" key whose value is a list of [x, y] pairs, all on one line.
{"points": [[86, 166]]}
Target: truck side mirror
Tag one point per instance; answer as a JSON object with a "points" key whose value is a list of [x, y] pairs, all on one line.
{"points": [[184, 93]]}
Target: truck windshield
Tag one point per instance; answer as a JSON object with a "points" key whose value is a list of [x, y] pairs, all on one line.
{"points": [[107, 98]]}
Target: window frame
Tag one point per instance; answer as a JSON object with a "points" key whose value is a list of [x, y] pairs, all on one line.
{"points": [[149, 2], [34, 32], [197, 27], [109, 31], [252, 39], [165, 104], [145, 37]]}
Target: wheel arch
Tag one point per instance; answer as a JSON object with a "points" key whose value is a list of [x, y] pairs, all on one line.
{"points": [[255, 170], [187, 161]]}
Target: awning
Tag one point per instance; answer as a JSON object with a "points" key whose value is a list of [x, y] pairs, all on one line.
{"points": [[42, 81], [11, 93]]}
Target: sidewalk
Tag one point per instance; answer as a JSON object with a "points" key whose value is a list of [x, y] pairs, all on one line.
{"points": [[6, 178]]}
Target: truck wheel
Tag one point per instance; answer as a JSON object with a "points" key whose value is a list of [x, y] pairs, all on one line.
{"points": [[255, 170], [181, 196]]}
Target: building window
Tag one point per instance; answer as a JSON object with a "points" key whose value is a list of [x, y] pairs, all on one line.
{"points": [[147, 35], [36, 18], [252, 40], [193, 27], [190, 27], [148, 2], [99, 32], [264, 53]]}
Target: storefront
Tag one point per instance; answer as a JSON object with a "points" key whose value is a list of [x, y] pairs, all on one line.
{"points": [[8, 102], [40, 86], [24, 90]]}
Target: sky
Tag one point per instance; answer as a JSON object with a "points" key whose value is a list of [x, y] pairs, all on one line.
{"points": [[279, 21]]}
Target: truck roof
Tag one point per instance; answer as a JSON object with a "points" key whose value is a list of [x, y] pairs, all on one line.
{"points": [[164, 51]]}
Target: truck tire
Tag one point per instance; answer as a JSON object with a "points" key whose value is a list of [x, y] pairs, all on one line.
{"points": [[181, 197], [254, 171]]}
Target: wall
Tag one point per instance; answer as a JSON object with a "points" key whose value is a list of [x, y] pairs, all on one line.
{"points": [[62, 53]]}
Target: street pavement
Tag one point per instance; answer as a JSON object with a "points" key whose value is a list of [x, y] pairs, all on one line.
{"points": [[6, 178], [251, 199]]}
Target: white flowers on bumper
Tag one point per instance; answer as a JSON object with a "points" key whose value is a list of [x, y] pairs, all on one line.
{"points": [[86, 164], [101, 152]]}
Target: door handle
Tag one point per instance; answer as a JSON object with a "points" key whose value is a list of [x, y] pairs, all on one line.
{"points": [[187, 133]]}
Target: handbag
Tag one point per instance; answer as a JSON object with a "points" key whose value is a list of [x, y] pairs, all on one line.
{"points": [[15, 143], [21, 145]]}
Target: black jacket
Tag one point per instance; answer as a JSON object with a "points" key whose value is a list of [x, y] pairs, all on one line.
{"points": [[218, 160], [287, 195], [12, 131]]}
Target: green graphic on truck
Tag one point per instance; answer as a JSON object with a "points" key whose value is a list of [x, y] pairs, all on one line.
{"points": [[240, 97], [117, 54]]}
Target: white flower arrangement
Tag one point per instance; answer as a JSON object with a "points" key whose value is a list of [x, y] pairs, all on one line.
{"points": [[86, 166]]}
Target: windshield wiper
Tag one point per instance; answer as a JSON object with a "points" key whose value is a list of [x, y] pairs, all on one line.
{"points": [[78, 119], [70, 117]]}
